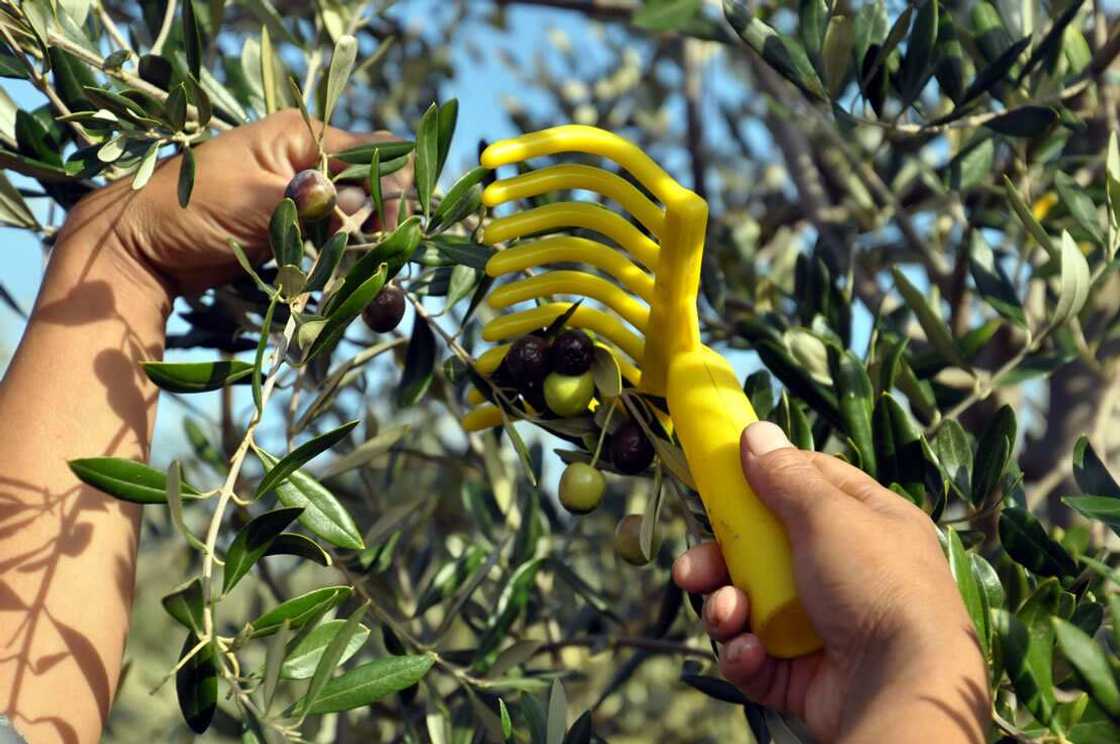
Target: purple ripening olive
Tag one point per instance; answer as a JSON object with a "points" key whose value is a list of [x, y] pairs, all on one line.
{"points": [[527, 360], [384, 313], [313, 193], [631, 451], [572, 352]]}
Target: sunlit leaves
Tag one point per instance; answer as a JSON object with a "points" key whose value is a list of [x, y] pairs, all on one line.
{"points": [[196, 684], [323, 515], [301, 610], [370, 682], [197, 377], [127, 480]]}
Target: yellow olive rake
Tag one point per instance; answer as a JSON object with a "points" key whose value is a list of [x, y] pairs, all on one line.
{"points": [[660, 333]]}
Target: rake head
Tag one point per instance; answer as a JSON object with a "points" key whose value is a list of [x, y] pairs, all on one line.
{"points": [[646, 283]]}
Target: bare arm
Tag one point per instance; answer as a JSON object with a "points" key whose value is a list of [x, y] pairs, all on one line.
{"points": [[75, 389]]}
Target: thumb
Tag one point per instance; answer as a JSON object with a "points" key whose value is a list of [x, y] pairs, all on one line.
{"points": [[785, 478]]}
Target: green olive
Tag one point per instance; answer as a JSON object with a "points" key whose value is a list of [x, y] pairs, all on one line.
{"points": [[568, 395], [581, 488], [628, 540]]}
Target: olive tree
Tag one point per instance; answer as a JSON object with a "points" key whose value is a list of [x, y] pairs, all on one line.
{"points": [[915, 215]]}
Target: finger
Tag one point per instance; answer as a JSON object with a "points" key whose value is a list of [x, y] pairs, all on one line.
{"points": [[701, 569], [743, 663], [785, 478], [351, 199], [851, 480], [725, 613]]}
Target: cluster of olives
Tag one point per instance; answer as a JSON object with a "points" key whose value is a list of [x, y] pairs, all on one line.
{"points": [[315, 197], [553, 377]]}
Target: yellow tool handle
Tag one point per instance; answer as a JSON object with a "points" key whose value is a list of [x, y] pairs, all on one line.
{"points": [[709, 412]]}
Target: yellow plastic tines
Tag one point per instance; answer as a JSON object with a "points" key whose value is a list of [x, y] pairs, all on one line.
{"points": [[659, 331]]}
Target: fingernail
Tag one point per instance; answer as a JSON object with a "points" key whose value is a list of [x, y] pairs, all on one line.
{"points": [[734, 650], [762, 437], [724, 605]]}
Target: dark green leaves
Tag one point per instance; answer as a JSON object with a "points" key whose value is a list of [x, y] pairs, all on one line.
{"points": [[954, 454], [192, 39], [1026, 541], [185, 604], [196, 684], [961, 567], [329, 257], [992, 454], [446, 120], [1080, 206], [197, 377], [665, 15], [297, 457], [937, 332], [1102, 494], [370, 682], [855, 396], [992, 282], [1090, 472], [427, 157], [1024, 121], [127, 480], [303, 658], [991, 75], [419, 363], [322, 514], [464, 198], [253, 542], [1091, 664], [284, 234], [186, 177], [898, 447], [916, 65], [363, 154], [342, 313], [301, 610], [780, 51], [1026, 657]]}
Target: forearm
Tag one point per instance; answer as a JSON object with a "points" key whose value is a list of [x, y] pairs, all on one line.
{"points": [[73, 389]]}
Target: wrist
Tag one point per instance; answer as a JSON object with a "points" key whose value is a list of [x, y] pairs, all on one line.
{"points": [[95, 245], [931, 687]]}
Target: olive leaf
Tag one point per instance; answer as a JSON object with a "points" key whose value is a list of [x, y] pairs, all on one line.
{"points": [[370, 682], [300, 455], [342, 62], [322, 514], [197, 377], [127, 480], [303, 657], [301, 610], [252, 543]]}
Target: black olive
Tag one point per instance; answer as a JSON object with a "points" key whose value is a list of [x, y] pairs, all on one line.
{"points": [[384, 313], [572, 352], [631, 451]]}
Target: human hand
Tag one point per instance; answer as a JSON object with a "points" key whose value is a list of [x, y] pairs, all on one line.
{"points": [[900, 661], [240, 178]]}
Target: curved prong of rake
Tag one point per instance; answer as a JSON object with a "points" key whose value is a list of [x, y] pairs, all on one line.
{"points": [[595, 141], [578, 177], [570, 249], [566, 215], [527, 321], [578, 283]]}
